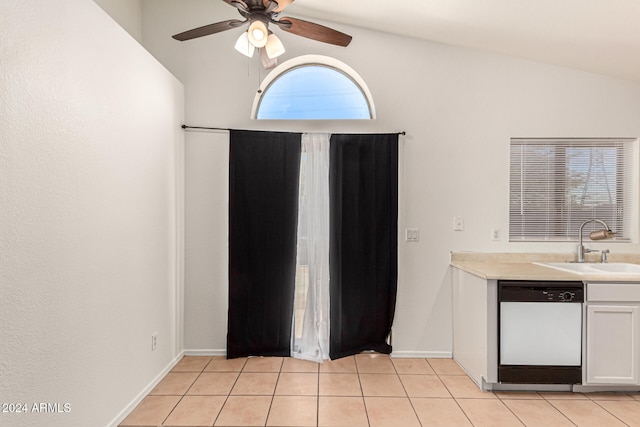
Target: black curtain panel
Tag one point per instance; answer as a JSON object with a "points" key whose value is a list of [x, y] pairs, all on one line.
{"points": [[363, 182], [264, 170]]}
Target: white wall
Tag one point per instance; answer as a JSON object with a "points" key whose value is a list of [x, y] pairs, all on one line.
{"points": [[459, 107], [128, 14], [90, 246]]}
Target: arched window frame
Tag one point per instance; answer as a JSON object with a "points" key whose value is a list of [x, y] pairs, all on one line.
{"points": [[313, 60]]}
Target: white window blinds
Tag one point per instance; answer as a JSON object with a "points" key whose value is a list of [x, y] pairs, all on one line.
{"points": [[556, 184]]}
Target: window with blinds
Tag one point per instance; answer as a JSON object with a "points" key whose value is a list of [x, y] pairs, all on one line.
{"points": [[557, 184]]}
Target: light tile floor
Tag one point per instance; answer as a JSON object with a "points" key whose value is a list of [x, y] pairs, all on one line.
{"points": [[362, 390]]}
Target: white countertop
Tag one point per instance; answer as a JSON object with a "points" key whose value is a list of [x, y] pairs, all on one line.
{"points": [[509, 266]]}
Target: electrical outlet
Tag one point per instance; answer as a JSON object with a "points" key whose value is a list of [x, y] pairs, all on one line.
{"points": [[412, 234], [458, 223], [154, 341], [496, 234]]}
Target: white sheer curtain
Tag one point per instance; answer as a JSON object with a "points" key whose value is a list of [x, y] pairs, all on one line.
{"points": [[310, 337]]}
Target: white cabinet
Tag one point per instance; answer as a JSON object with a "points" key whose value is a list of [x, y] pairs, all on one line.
{"points": [[612, 334], [475, 326], [612, 344]]}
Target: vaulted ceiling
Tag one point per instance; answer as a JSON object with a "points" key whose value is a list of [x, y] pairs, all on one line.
{"points": [[601, 36]]}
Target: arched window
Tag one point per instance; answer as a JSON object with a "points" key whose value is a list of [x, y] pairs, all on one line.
{"points": [[313, 87]]}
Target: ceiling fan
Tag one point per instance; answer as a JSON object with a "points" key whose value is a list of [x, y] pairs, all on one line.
{"points": [[259, 14]]}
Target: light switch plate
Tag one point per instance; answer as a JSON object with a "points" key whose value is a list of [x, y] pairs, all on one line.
{"points": [[496, 234], [458, 223], [412, 235]]}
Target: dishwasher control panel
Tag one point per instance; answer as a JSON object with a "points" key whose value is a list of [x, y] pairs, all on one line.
{"points": [[525, 291]]}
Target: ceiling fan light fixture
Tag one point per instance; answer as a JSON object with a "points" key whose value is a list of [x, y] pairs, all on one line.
{"points": [[274, 46], [258, 33], [267, 63], [244, 46], [259, 14]]}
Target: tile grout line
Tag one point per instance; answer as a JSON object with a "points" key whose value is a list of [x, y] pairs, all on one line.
{"points": [[513, 413], [185, 392], [364, 402], [405, 391], [549, 401], [509, 409], [226, 399], [554, 407], [451, 394], [609, 412], [273, 396]]}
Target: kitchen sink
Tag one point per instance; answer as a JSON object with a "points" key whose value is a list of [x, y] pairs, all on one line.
{"points": [[618, 267], [604, 269]]}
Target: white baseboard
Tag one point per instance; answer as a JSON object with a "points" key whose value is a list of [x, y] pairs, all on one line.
{"points": [[396, 354], [136, 401], [205, 352], [422, 354]]}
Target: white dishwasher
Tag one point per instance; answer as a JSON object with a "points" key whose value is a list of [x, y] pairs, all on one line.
{"points": [[540, 332]]}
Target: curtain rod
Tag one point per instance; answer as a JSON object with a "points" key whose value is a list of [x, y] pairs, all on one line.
{"points": [[227, 129]]}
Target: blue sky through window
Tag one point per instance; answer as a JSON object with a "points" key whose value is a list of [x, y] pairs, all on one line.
{"points": [[313, 92]]}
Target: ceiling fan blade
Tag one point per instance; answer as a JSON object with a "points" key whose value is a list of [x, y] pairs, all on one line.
{"points": [[238, 4], [314, 31], [281, 4], [208, 29]]}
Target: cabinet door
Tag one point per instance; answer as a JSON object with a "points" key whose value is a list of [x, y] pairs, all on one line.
{"points": [[612, 344]]}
